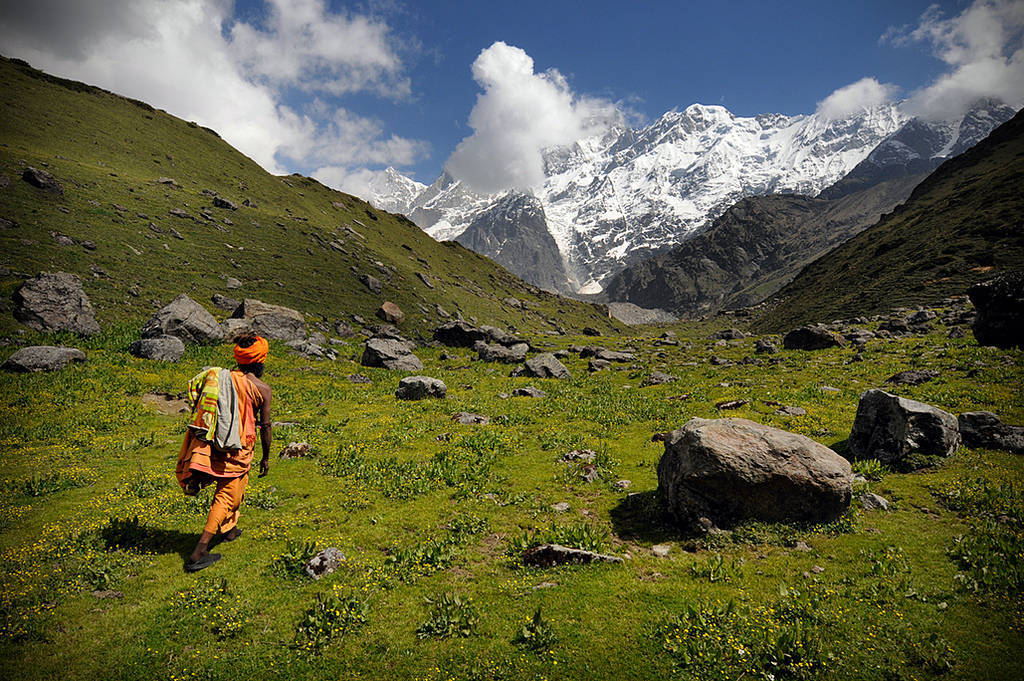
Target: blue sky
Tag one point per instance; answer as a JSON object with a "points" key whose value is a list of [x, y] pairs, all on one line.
{"points": [[340, 90]]}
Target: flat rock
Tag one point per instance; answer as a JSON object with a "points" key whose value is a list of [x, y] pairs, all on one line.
{"points": [[873, 502], [42, 358], [222, 302], [311, 350], [390, 354], [902, 434], [561, 507], [160, 348], [598, 365], [513, 354], [912, 377], [420, 387], [468, 419], [324, 563], [272, 321], [731, 470], [791, 411], [528, 391], [372, 283], [55, 301], [550, 555], [587, 455], [220, 202], [984, 429], [658, 378]]}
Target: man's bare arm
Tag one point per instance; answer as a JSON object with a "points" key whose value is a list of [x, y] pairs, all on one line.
{"points": [[266, 433]]}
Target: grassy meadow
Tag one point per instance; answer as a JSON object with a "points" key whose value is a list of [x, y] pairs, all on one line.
{"points": [[432, 515]]}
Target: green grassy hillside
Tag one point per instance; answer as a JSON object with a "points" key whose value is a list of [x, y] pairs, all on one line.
{"points": [[959, 226], [108, 153]]}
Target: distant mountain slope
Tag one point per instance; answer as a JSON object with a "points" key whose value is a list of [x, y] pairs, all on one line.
{"points": [[137, 222], [963, 222], [752, 250]]}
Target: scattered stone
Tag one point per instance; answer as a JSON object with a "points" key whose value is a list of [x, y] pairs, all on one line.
{"points": [[311, 350], [550, 555], [179, 213], [543, 365], [658, 378], [590, 331], [160, 348], [186, 319], [984, 429], [811, 338], [802, 546], [390, 313], [873, 502], [859, 336], [661, 550], [168, 181], [614, 356], [89, 245], [222, 302], [425, 279], [791, 411], [324, 563], [728, 334], [528, 391], [391, 354], [912, 377], [590, 473], [272, 321], [561, 507], [358, 378], [730, 470], [372, 283], [232, 283], [465, 418], [598, 365], [296, 450], [42, 358], [501, 353], [622, 485], [219, 202], [902, 434], [420, 387], [719, 361], [731, 404], [42, 179], [817, 569], [62, 239], [1000, 306], [343, 329], [55, 301]]}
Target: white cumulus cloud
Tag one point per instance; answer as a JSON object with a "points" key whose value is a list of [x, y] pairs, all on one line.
{"points": [[191, 58], [864, 94], [984, 49], [517, 115]]}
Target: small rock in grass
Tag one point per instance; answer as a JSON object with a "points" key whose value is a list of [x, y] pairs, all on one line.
{"points": [[549, 555], [324, 563], [465, 418], [912, 377], [817, 569], [561, 507], [420, 387], [802, 546], [587, 455], [296, 450], [731, 404], [661, 550], [791, 411], [622, 485], [528, 391], [873, 502]]}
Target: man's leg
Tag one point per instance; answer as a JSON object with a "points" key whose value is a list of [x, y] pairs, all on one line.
{"points": [[224, 512]]}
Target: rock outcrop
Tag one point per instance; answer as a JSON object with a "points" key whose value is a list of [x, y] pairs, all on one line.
{"points": [[42, 358], [160, 348], [272, 321], [420, 387], [544, 365], [391, 354], [984, 429]]}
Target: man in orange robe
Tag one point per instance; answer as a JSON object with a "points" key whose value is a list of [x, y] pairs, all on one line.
{"points": [[201, 463]]}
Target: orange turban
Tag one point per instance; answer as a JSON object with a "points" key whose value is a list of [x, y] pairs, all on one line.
{"points": [[255, 353]]}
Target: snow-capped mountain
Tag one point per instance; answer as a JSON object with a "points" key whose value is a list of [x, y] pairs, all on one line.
{"points": [[615, 198], [392, 191]]}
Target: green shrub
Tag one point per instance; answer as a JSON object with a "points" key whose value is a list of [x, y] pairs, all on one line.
{"points": [[537, 634], [451, 615], [715, 569], [872, 469], [990, 559], [288, 564]]}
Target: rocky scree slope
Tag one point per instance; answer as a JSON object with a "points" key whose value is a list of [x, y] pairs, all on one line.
{"points": [[147, 206], [961, 225]]}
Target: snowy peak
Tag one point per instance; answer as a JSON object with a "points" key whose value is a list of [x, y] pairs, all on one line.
{"points": [[393, 192]]}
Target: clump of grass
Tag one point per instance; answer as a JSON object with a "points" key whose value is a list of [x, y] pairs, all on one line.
{"points": [[42, 484], [989, 558], [575, 536], [262, 498], [980, 496], [537, 634], [451, 615], [331, 616], [715, 568]]}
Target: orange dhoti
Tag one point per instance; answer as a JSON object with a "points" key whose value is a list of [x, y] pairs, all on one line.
{"points": [[224, 513]]}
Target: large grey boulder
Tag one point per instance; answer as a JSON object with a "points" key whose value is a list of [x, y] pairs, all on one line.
{"points": [[731, 470], [501, 353], [984, 429], [811, 338], [420, 387], [391, 354], [55, 301], [186, 319], [160, 348], [1000, 305], [42, 358], [272, 321], [902, 434], [544, 365]]}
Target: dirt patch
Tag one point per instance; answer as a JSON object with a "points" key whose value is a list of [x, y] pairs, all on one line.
{"points": [[165, 403]]}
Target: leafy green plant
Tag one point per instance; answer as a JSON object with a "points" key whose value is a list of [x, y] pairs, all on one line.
{"points": [[715, 569], [989, 559], [450, 615], [872, 469], [288, 564], [537, 634], [329, 617], [576, 536], [124, 533]]}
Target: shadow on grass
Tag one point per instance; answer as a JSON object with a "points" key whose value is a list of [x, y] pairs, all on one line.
{"points": [[131, 535], [639, 518]]}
